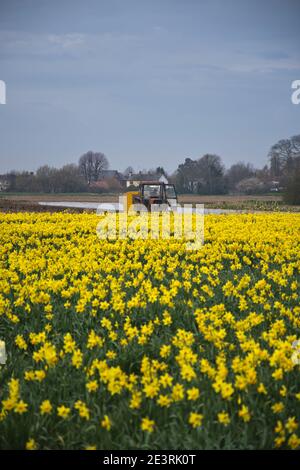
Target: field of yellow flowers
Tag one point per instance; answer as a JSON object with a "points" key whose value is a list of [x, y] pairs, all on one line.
{"points": [[126, 344]]}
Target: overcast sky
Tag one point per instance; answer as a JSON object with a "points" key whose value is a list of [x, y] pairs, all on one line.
{"points": [[147, 82]]}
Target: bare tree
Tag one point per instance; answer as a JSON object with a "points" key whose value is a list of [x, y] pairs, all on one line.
{"points": [[202, 176], [282, 155], [46, 178], [91, 165], [292, 190], [70, 180], [296, 144], [187, 176], [211, 168], [237, 172]]}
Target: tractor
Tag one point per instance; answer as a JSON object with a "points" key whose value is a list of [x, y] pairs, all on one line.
{"points": [[153, 193]]}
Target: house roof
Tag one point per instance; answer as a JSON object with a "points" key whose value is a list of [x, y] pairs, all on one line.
{"points": [[106, 174]]}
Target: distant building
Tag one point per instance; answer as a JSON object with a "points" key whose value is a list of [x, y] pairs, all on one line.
{"points": [[135, 179]]}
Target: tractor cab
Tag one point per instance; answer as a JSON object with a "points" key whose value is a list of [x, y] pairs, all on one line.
{"points": [[154, 193], [171, 195]]}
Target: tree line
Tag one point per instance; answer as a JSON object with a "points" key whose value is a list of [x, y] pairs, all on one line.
{"points": [[208, 175], [204, 175], [68, 179]]}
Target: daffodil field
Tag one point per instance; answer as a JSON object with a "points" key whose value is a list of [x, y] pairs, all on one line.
{"points": [[142, 344]]}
